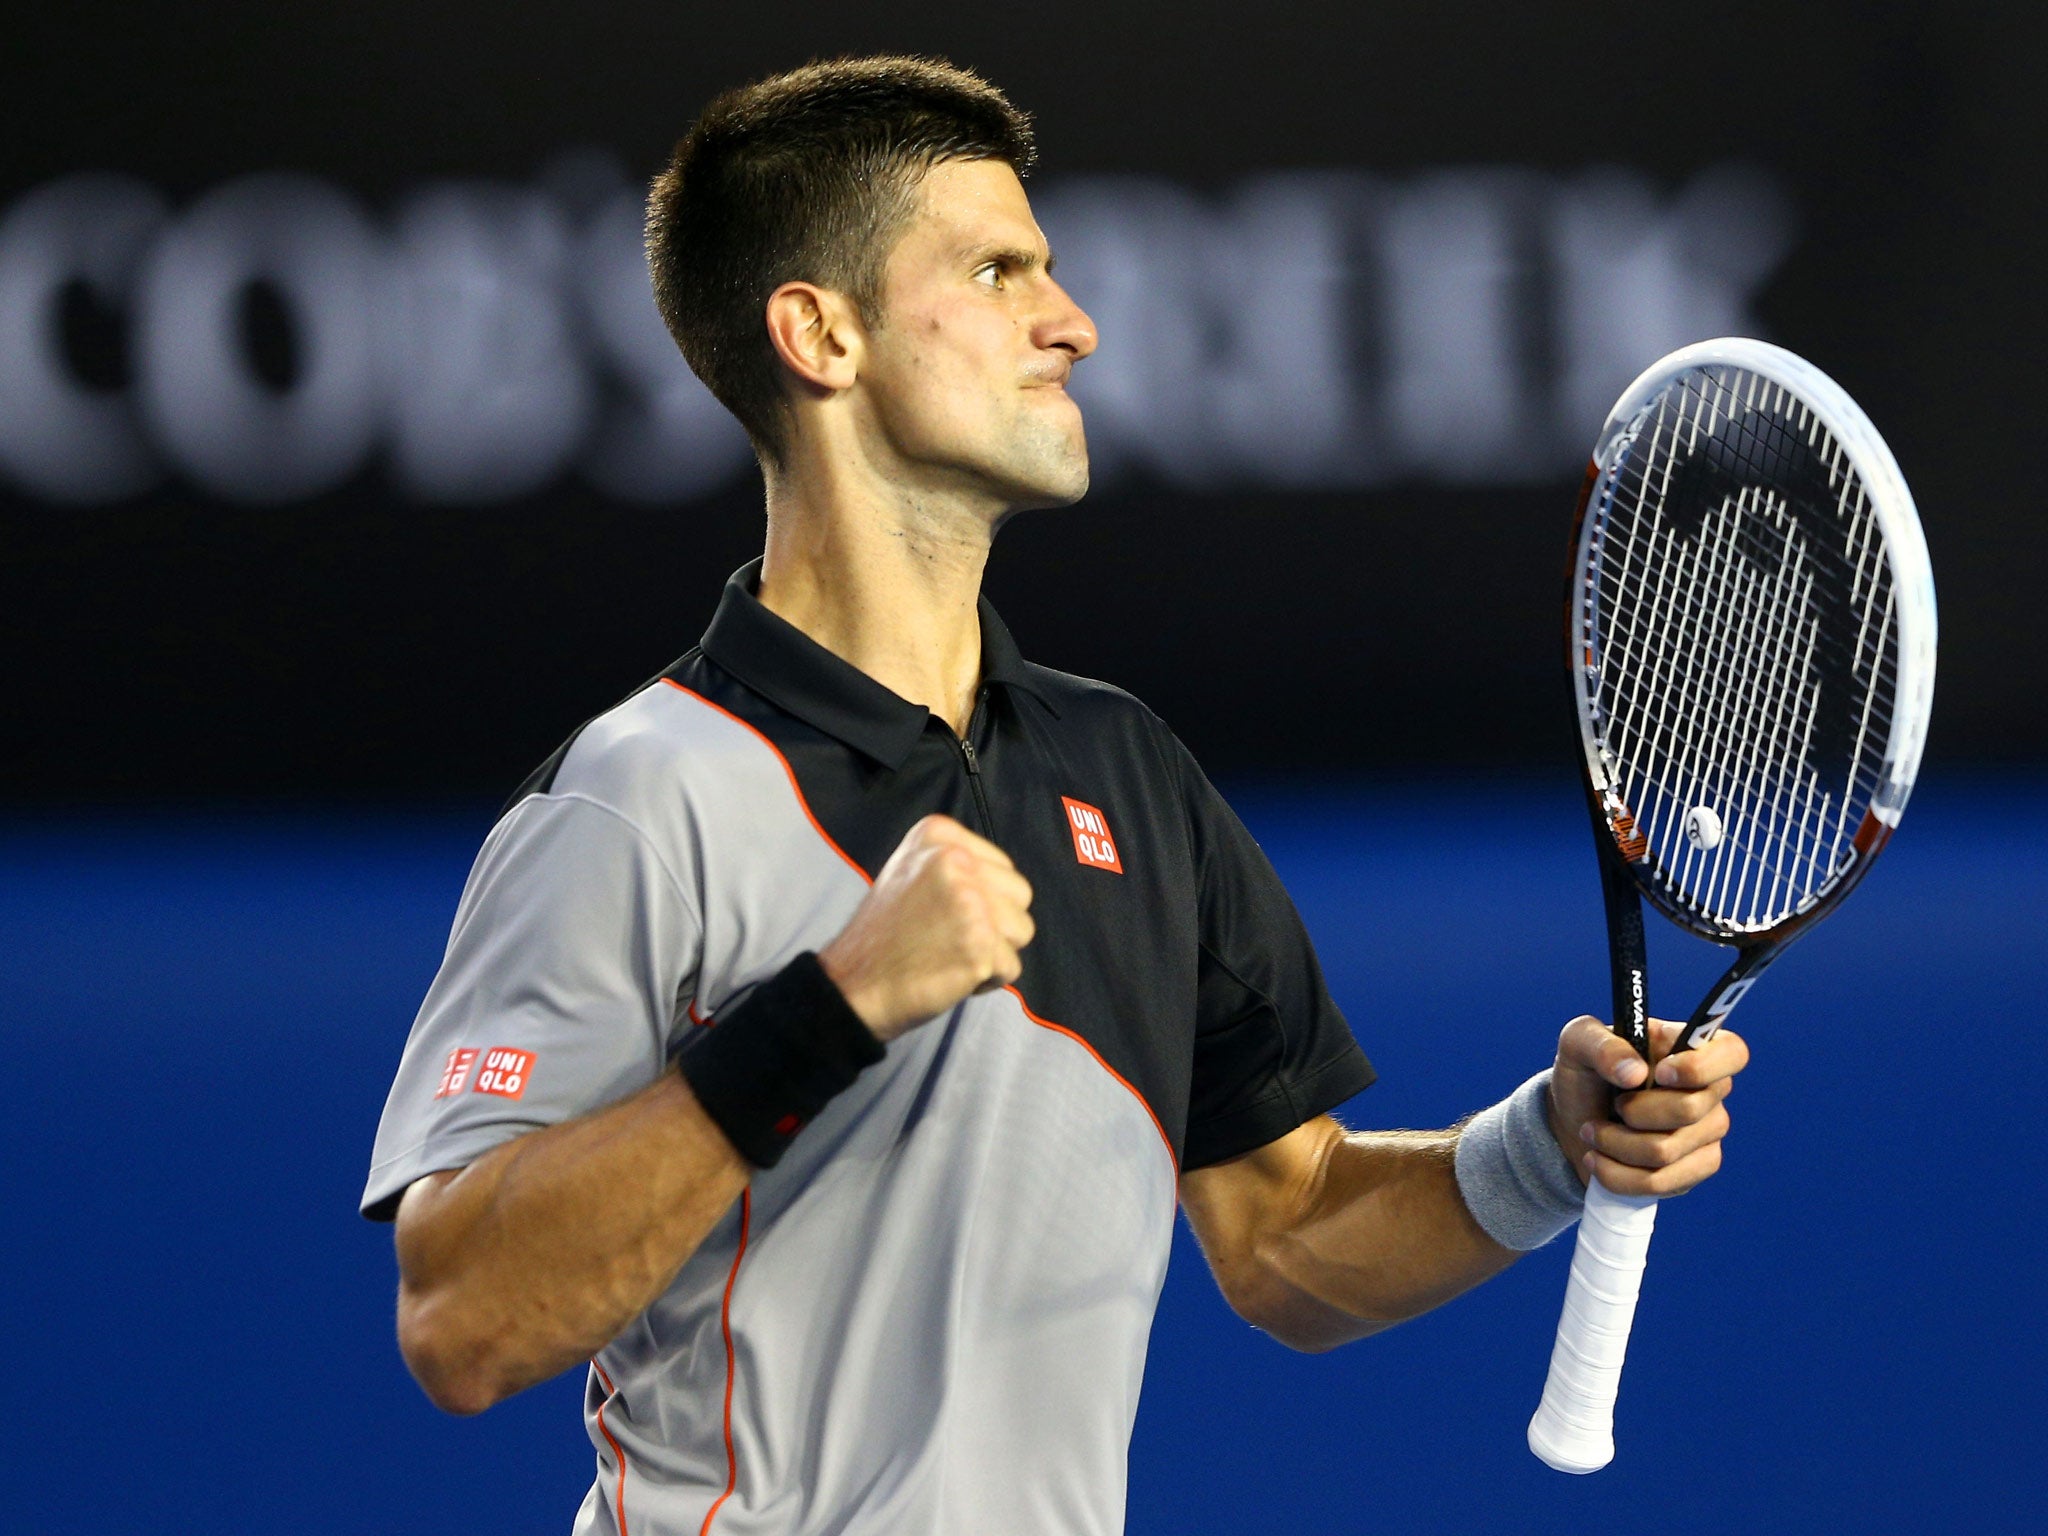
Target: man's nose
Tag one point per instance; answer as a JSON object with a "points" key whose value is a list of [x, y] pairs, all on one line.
{"points": [[1067, 325]]}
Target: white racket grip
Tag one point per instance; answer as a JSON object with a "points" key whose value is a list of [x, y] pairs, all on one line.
{"points": [[1573, 1429]]}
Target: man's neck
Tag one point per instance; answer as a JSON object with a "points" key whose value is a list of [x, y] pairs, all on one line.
{"points": [[884, 580]]}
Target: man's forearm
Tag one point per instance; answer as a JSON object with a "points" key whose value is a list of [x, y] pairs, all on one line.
{"points": [[540, 1252], [1381, 1234]]}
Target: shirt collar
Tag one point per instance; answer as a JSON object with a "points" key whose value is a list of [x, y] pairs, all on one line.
{"points": [[799, 676]]}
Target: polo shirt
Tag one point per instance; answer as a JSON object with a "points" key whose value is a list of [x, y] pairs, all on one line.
{"points": [[931, 1315]]}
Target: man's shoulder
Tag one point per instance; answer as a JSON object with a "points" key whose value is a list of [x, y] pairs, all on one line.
{"points": [[1104, 713], [636, 756], [1088, 696]]}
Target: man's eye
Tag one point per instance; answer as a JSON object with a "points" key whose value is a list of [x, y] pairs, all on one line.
{"points": [[991, 275]]}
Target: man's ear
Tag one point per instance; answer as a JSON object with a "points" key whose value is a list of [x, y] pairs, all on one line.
{"points": [[817, 333]]}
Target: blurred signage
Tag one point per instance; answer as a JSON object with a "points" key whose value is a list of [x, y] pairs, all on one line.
{"points": [[1308, 329]]}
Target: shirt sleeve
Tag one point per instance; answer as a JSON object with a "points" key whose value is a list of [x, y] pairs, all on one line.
{"points": [[1272, 1051], [572, 946]]}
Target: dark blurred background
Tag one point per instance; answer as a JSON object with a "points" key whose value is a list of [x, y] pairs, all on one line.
{"points": [[344, 467], [374, 481]]}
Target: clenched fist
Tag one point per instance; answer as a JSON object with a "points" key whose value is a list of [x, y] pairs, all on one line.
{"points": [[946, 918]]}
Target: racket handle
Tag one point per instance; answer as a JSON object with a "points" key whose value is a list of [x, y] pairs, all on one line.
{"points": [[1573, 1429]]}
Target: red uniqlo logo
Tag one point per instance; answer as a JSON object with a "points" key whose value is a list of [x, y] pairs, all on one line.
{"points": [[1093, 845], [457, 1070], [505, 1072]]}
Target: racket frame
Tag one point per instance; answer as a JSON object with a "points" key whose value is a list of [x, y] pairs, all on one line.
{"points": [[1913, 583]]}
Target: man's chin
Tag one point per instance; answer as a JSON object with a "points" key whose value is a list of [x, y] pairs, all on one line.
{"points": [[1045, 491], [1056, 475]]}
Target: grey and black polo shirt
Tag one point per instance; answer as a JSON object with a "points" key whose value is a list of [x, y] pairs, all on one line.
{"points": [[931, 1316]]}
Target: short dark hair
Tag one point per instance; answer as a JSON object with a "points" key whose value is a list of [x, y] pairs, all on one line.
{"points": [[807, 176]]}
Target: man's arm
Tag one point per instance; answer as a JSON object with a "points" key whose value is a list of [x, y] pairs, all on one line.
{"points": [[1324, 1236], [541, 1251], [536, 1255]]}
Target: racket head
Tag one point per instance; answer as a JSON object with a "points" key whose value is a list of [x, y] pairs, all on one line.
{"points": [[1751, 635]]}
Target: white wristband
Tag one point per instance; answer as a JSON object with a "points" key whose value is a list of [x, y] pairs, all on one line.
{"points": [[1516, 1181]]}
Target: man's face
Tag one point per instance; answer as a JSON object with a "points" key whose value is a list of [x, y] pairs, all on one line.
{"points": [[966, 376]]}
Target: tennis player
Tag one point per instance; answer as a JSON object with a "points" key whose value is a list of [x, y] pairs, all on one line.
{"points": [[828, 1031]]}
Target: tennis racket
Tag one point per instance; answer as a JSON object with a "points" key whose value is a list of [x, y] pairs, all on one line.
{"points": [[1751, 629]]}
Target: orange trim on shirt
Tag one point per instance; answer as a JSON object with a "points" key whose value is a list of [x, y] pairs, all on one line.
{"points": [[795, 788], [732, 1464], [1074, 1036], [617, 1451]]}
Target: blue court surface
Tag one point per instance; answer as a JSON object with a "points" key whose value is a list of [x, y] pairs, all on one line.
{"points": [[199, 1017]]}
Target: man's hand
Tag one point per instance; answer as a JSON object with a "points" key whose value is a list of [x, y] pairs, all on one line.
{"points": [[946, 918], [1660, 1134]]}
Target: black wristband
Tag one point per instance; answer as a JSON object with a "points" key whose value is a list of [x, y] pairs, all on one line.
{"points": [[765, 1066]]}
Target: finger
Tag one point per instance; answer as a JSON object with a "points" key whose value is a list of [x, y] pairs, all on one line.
{"points": [[1005, 965], [1663, 1035], [1591, 1045], [919, 855], [1015, 926], [936, 828], [958, 865], [1004, 887], [998, 962], [1719, 1059], [941, 831], [956, 835], [1665, 1109], [1654, 1149], [1675, 1179]]}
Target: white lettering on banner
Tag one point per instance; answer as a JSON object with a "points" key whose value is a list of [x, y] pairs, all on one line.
{"points": [[200, 395], [1458, 352], [490, 393], [1303, 329], [60, 438], [1637, 275]]}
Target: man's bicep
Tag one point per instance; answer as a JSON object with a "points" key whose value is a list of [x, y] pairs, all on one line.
{"points": [[1232, 1203], [413, 1224], [1243, 1208], [420, 1196]]}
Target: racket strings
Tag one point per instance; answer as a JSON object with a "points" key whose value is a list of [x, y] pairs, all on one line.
{"points": [[1739, 715], [1739, 617], [1742, 732], [1730, 718]]}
